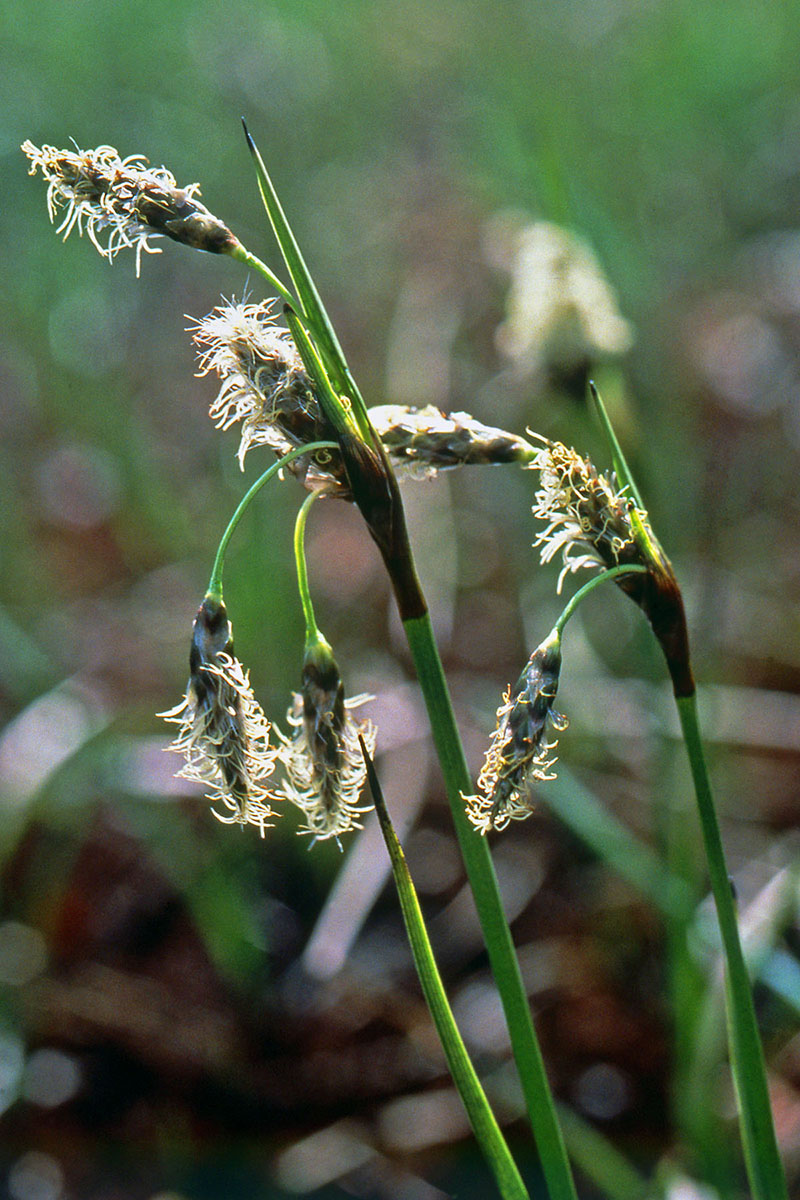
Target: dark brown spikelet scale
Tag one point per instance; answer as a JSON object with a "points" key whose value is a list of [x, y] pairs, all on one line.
{"points": [[172, 211], [212, 637], [139, 194], [291, 406], [323, 715], [535, 692], [527, 720]]}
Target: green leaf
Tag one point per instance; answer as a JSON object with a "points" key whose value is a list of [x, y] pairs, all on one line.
{"points": [[313, 311]]}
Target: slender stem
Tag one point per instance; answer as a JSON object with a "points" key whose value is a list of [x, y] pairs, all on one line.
{"points": [[245, 256], [484, 1124], [215, 584], [572, 605], [762, 1159], [483, 882], [312, 630]]}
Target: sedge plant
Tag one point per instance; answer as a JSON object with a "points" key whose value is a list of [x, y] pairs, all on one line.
{"points": [[285, 382]]}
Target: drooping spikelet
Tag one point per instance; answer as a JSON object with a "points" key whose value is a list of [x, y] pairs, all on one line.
{"points": [[267, 388], [223, 733], [324, 765], [521, 750], [422, 441], [588, 518], [99, 192]]}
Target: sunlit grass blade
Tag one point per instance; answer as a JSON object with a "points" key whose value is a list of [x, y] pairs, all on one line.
{"points": [[482, 1119], [313, 310], [331, 403]]}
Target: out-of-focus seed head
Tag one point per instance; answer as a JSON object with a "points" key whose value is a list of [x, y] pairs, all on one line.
{"points": [[267, 388], [422, 441], [562, 315], [588, 518], [100, 192], [521, 750], [324, 765], [223, 733]]}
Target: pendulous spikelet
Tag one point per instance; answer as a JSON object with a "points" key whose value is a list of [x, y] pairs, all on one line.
{"points": [[223, 733], [521, 750], [99, 192], [562, 315], [324, 765]]}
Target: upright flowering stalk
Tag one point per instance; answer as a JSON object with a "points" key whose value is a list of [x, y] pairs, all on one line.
{"points": [[223, 733], [592, 522], [265, 385], [521, 750], [99, 192]]}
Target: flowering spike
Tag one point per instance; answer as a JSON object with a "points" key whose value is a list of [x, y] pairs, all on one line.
{"points": [[588, 517], [267, 388], [422, 441], [324, 765], [520, 751], [595, 524], [99, 191], [223, 733]]}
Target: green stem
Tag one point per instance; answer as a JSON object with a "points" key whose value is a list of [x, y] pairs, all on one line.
{"points": [[483, 882], [482, 1119], [245, 256], [312, 630], [215, 584], [377, 498], [572, 605], [762, 1159]]}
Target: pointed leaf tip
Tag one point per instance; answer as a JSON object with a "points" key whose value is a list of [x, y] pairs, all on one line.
{"points": [[250, 141], [368, 763]]}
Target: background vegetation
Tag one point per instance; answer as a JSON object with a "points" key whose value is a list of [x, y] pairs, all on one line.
{"points": [[185, 1011]]}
